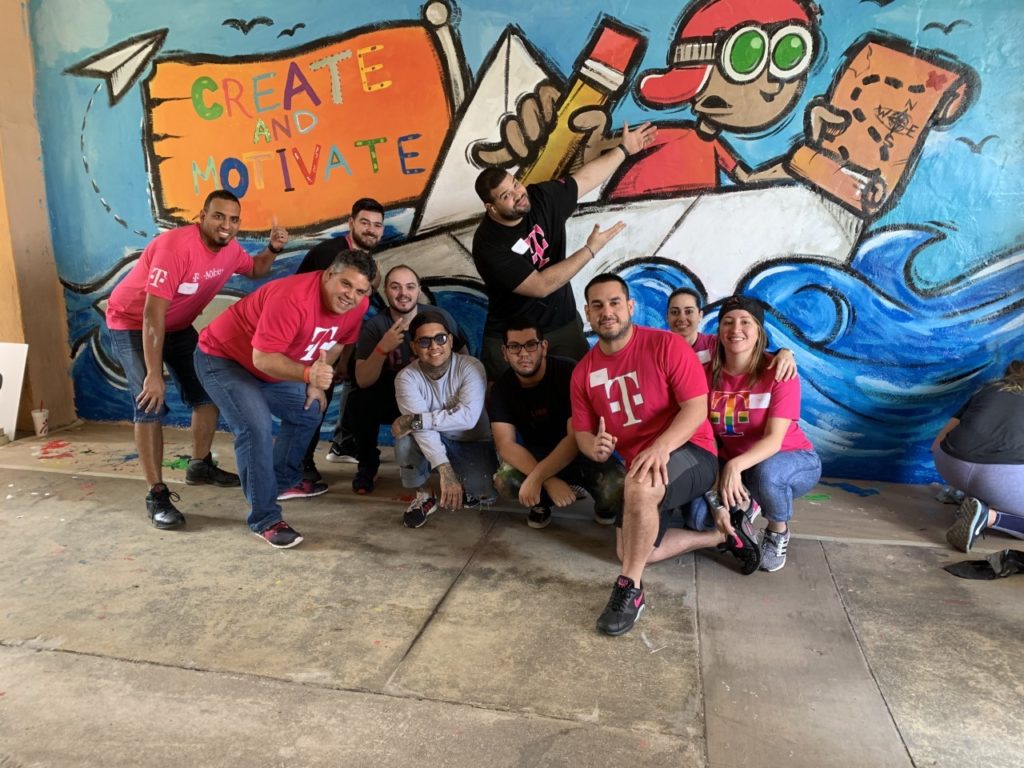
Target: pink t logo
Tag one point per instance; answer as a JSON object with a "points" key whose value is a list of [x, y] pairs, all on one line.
{"points": [[538, 244]]}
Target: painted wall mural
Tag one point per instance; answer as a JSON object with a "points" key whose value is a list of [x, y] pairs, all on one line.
{"points": [[855, 165]]}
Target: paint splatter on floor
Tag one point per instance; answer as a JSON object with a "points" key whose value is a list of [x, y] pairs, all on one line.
{"points": [[55, 449], [851, 488], [816, 497]]}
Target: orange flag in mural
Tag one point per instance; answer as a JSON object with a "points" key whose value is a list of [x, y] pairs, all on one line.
{"points": [[300, 135]]}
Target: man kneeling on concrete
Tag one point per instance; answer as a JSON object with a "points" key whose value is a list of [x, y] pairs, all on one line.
{"points": [[272, 354], [383, 350], [545, 467], [443, 425], [641, 392]]}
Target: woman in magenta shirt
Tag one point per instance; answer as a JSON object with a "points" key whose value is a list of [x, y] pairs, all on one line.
{"points": [[755, 421]]}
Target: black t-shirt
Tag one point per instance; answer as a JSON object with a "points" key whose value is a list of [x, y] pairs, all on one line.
{"points": [[991, 428], [539, 414], [505, 256], [322, 255]]}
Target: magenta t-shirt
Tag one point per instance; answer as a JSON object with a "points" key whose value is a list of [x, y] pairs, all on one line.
{"points": [[179, 267], [739, 414], [705, 345], [638, 390], [286, 316]]}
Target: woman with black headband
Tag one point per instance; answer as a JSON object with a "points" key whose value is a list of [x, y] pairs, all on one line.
{"points": [[754, 418]]}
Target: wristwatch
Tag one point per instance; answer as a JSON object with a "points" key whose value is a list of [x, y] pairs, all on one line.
{"points": [[417, 423]]}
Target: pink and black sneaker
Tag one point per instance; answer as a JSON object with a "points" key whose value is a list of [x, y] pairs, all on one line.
{"points": [[623, 609]]}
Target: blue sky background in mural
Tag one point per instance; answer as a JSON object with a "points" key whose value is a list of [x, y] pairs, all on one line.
{"points": [[899, 337]]}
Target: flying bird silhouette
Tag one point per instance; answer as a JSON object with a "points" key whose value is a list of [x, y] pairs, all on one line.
{"points": [[947, 28], [291, 32], [879, 3], [976, 147], [245, 27]]}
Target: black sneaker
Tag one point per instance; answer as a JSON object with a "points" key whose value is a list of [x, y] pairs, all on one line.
{"points": [[623, 609], [161, 509], [205, 472], [418, 512], [310, 472], [280, 535], [538, 517], [743, 543], [363, 482]]}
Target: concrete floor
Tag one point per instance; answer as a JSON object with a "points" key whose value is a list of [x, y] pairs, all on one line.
{"points": [[471, 641]]}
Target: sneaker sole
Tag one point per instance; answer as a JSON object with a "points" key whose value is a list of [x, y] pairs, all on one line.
{"points": [[189, 481], [749, 554], [623, 631], [295, 543], [166, 526], [289, 497], [605, 520], [538, 524], [967, 528]]}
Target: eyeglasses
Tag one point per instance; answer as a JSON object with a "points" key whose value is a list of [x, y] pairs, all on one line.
{"points": [[742, 53], [530, 346], [423, 342]]}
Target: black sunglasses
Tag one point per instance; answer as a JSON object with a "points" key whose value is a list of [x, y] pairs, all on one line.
{"points": [[423, 342]]}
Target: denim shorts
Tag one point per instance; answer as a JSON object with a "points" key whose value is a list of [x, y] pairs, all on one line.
{"points": [[178, 349]]}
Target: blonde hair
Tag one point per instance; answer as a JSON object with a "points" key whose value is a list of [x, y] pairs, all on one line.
{"points": [[1013, 378], [758, 361]]}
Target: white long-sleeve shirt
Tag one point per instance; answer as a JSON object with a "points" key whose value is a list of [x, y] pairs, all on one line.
{"points": [[452, 404]]}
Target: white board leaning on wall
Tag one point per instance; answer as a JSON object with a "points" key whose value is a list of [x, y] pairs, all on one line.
{"points": [[12, 372]]}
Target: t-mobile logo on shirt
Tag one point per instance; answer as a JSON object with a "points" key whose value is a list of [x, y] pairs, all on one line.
{"points": [[600, 379], [157, 277], [536, 243], [323, 338], [730, 409]]}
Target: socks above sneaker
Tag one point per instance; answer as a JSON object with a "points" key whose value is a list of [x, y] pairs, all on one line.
{"points": [[1011, 524]]}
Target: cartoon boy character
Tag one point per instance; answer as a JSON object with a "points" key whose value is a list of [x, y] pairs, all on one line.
{"points": [[741, 65]]}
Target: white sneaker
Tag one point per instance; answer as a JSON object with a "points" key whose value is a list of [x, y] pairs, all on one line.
{"points": [[335, 455]]}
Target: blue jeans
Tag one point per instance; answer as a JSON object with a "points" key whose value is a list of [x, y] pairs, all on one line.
{"points": [[775, 482], [474, 463], [266, 466]]}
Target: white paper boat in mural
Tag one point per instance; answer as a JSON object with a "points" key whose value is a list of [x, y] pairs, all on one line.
{"points": [[718, 237]]}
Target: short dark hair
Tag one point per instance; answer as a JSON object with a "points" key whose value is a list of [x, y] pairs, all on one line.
{"points": [[487, 181], [523, 323], [358, 260], [423, 318], [221, 194], [416, 274], [605, 277], [366, 204], [686, 291]]}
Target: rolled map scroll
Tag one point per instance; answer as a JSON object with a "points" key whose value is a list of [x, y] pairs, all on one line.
{"points": [[893, 94]]}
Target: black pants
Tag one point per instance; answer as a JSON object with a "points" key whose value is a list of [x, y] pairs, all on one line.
{"points": [[368, 409]]}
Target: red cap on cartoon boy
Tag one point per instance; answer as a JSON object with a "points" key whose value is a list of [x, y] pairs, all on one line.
{"points": [[681, 82]]}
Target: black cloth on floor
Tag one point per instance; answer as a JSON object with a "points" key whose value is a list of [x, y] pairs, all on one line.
{"points": [[996, 566]]}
